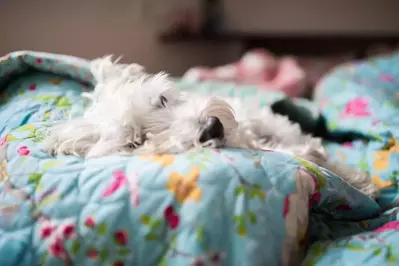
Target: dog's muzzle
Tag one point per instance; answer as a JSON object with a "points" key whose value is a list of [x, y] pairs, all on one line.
{"points": [[212, 129]]}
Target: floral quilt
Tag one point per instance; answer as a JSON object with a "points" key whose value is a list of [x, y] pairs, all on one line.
{"points": [[204, 207]]}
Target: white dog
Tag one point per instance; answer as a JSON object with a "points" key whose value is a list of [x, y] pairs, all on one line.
{"points": [[113, 122], [135, 113]]}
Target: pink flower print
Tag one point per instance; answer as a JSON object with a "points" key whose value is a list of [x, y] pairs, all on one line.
{"points": [[216, 258], [57, 248], [118, 263], [357, 107], [315, 197], [68, 231], [348, 144], [39, 60], [46, 231], [89, 222], [32, 87], [23, 151], [92, 253], [343, 207], [134, 191], [171, 217], [173, 221], [376, 122], [118, 182], [286, 208], [394, 225], [198, 261], [120, 237], [387, 78], [3, 140]]}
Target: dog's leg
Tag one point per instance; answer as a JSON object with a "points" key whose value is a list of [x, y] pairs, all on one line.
{"points": [[318, 155], [357, 178]]}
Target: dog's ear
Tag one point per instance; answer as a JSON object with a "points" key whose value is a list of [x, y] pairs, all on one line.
{"points": [[105, 68]]}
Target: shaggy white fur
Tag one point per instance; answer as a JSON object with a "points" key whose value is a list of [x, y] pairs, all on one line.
{"points": [[113, 122], [136, 113]]}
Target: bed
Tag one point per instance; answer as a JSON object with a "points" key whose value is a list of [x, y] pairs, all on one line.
{"points": [[207, 207]]}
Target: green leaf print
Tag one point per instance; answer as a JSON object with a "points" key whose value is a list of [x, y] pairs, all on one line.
{"points": [[237, 219], [38, 136], [354, 247], [239, 191], [123, 252], [60, 101], [46, 115], [257, 186], [35, 178], [315, 253], [390, 256], [252, 217], [102, 229], [27, 127], [151, 236], [321, 180], [43, 259], [44, 98], [104, 255], [363, 164], [200, 233], [164, 259], [63, 103], [377, 252], [257, 194], [241, 229], [75, 247], [240, 225], [145, 219], [11, 138], [155, 224], [50, 164], [332, 125]]}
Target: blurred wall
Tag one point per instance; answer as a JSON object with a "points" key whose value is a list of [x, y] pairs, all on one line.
{"points": [[348, 16], [92, 28]]}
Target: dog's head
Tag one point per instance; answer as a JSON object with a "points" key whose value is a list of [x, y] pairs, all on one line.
{"points": [[193, 121], [113, 123]]}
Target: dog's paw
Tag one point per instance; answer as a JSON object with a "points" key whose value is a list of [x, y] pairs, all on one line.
{"points": [[50, 145], [363, 182]]}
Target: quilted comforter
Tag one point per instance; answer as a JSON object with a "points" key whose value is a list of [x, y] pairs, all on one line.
{"points": [[204, 207]]}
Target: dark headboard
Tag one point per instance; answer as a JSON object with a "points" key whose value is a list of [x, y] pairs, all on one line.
{"points": [[296, 44]]}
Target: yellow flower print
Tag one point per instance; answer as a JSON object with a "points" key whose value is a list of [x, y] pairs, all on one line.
{"points": [[381, 158], [341, 156], [164, 160], [185, 187], [381, 184], [55, 81], [3, 171]]}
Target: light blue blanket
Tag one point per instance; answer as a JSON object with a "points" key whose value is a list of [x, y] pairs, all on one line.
{"points": [[207, 207]]}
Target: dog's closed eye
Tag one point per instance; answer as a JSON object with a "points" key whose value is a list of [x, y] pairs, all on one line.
{"points": [[132, 145], [162, 101]]}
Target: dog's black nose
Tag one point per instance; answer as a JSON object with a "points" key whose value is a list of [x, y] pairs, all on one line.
{"points": [[212, 129]]}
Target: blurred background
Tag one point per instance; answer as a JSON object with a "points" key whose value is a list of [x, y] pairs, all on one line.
{"points": [[176, 35]]}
